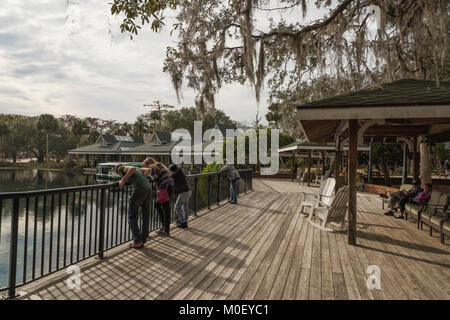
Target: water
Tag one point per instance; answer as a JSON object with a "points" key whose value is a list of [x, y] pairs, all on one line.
{"points": [[70, 215], [41, 248], [33, 179]]}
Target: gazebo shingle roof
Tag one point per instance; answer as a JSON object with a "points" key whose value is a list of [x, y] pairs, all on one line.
{"points": [[398, 93]]}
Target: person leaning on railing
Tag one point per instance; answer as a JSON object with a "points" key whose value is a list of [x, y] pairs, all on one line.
{"points": [[234, 177], [183, 193], [139, 199], [164, 183]]}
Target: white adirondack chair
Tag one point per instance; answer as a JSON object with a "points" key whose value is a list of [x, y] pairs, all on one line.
{"points": [[334, 212], [324, 194], [318, 179]]}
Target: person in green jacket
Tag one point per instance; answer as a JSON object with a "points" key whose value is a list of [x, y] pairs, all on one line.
{"points": [[139, 199]]}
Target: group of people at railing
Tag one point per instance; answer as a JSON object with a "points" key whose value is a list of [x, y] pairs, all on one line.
{"points": [[169, 181]]}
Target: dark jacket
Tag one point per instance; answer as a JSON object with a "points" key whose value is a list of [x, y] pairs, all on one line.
{"points": [[161, 176], [180, 183], [232, 173]]}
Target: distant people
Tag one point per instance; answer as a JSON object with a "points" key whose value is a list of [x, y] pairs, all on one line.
{"points": [[183, 194], [403, 196], [422, 199], [234, 177], [447, 168], [160, 174], [139, 199]]}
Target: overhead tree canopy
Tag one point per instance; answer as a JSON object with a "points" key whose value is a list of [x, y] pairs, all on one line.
{"points": [[250, 41]]}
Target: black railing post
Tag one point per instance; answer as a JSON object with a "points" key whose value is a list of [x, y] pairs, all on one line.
{"points": [[218, 188], [195, 196], [209, 191], [101, 237], [13, 251]]}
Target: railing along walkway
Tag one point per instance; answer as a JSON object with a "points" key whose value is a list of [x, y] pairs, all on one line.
{"points": [[263, 248]]}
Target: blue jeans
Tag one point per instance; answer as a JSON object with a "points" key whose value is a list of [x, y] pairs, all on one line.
{"points": [[234, 190], [139, 200], [182, 206]]}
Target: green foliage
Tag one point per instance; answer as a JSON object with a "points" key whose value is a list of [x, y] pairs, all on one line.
{"points": [[203, 181], [80, 128], [274, 115], [212, 167], [441, 152], [389, 153], [284, 140], [185, 117], [47, 123], [140, 127], [385, 155], [143, 11], [27, 137], [70, 164], [4, 129]]}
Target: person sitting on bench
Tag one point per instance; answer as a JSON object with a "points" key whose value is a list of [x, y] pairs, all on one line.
{"points": [[398, 196], [422, 199]]}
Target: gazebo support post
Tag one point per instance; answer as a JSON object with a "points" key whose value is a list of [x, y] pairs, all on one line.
{"points": [[309, 168], [425, 161], [292, 166], [405, 164], [337, 165], [352, 164], [415, 160], [323, 161], [369, 169]]}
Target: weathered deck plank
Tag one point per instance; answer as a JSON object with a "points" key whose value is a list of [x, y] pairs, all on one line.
{"points": [[264, 248]]}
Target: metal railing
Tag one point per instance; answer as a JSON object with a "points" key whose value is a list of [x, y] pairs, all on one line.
{"points": [[55, 228]]}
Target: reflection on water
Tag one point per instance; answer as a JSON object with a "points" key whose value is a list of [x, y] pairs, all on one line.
{"points": [[33, 179], [70, 215]]}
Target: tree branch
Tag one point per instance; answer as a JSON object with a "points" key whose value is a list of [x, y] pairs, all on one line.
{"points": [[309, 28]]}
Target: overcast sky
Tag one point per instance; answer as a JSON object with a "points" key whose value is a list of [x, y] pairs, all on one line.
{"points": [[69, 57]]}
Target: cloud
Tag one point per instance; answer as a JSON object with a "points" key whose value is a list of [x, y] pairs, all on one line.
{"points": [[58, 57]]}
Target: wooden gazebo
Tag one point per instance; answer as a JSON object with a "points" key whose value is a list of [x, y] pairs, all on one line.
{"points": [[304, 148], [416, 112]]}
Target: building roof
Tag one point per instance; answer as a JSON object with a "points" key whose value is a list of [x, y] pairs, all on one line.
{"points": [[163, 137], [404, 92], [98, 148], [326, 146], [137, 148], [111, 139], [152, 148], [405, 108]]}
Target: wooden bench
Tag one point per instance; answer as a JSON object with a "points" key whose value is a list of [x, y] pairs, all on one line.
{"points": [[435, 214], [403, 187]]}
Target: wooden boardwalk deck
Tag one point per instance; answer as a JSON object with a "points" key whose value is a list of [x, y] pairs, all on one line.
{"points": [[263, 248]]}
